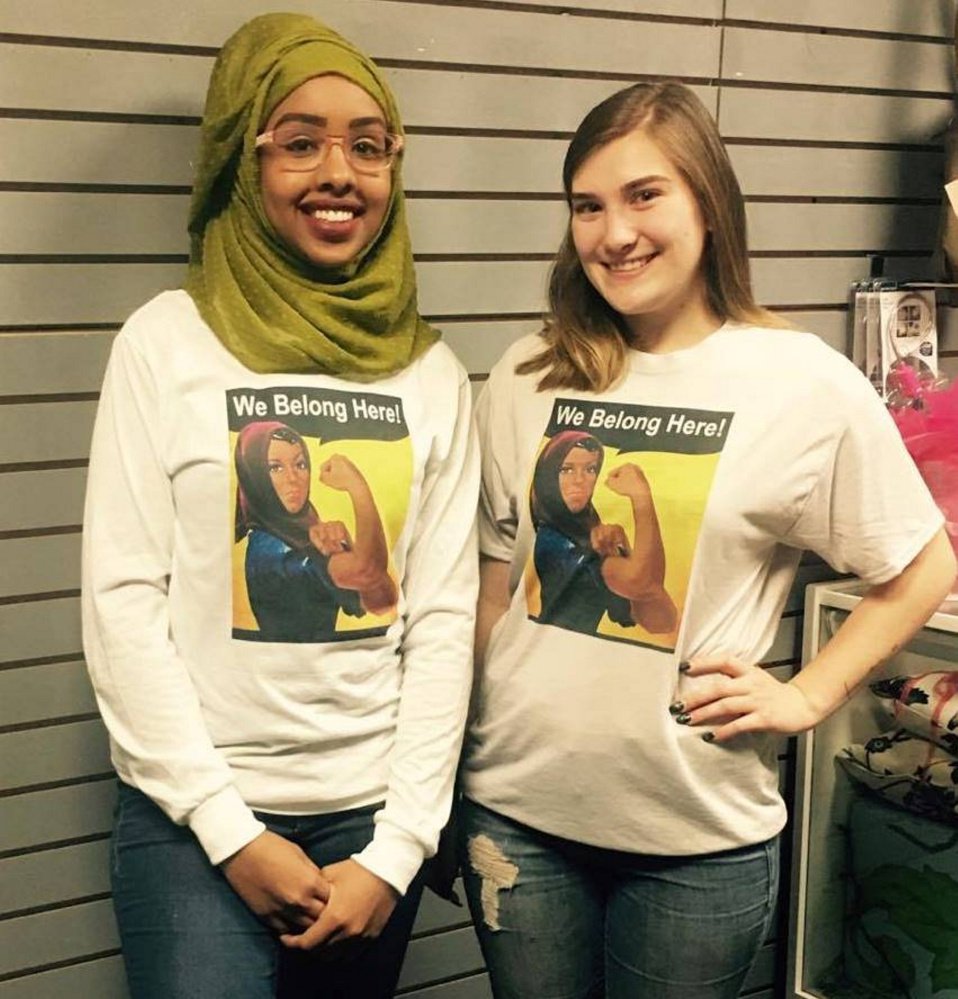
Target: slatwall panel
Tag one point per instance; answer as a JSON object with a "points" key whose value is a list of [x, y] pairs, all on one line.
{"points": [[833, 113]]}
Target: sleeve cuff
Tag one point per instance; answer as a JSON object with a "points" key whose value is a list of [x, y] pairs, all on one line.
{"points": [[393, 856], [224, 824]]}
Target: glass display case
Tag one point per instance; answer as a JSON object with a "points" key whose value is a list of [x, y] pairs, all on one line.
{"points": [[824, 956]]}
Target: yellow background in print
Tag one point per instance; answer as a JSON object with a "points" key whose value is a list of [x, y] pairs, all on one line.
{"points": [[386, 467], [680, 485]]}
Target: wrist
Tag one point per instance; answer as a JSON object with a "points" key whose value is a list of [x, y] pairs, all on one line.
{"points": [[817, 709]]}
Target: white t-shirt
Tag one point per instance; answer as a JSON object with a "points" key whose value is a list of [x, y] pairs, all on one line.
{"points": [[757, 444], [234, 667]]}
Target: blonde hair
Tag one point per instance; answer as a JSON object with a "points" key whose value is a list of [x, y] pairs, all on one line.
{"points": [[586, 339]]}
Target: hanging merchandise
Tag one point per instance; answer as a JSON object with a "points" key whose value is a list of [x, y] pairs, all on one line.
{"points": [[908, 336], [894, 327]]}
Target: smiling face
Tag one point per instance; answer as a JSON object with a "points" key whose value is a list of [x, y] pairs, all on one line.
{"points": [[640, 238], [577, 477], [330, 214], [289, 474]]}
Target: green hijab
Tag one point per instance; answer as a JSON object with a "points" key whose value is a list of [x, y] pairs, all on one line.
{"points": [[271, 309]]}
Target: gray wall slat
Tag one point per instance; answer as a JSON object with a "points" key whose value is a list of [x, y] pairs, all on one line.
{"points": [[55, 431], [29, 500], [150, 155], [39, 565], [60, 935], [836, 60], [480, 344], [156, 224], [38, 693], [39, 629], [101, 979], [437, 913], [88, 293], [821, 280], [674, 8], [54, 876], [60, 752], [872, 173], [758, 113], [49, 363], [787, 642], [78, 79], [817, 228], [165, 84], [407, 31], [62, 813], [473, 987], [832, 327], [441, 956], [488, 226], [930, 17]]}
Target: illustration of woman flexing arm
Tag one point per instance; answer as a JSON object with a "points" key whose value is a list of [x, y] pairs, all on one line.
{"points": [[587, 568], [300, 569]]}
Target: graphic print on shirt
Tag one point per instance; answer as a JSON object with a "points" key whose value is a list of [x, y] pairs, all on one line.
{"points": [[617, 497], [321, 481]]}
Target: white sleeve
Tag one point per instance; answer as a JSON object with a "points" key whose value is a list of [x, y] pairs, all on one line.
{"points": [[143, 688], [498, 503], [869, 512], [440, 586]]}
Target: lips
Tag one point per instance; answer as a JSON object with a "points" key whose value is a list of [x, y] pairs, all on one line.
{"points": [[633, 265], [332, 222]]}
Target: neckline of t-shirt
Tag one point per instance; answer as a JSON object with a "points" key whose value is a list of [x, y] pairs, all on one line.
{"points": [[644, 362]]}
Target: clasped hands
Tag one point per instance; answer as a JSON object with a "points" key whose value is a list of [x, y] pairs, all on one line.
{"points": [[736, 697], [305, 905]]}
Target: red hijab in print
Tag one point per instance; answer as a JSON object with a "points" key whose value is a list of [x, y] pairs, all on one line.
{"points": [[548, 507], [257, 505]]}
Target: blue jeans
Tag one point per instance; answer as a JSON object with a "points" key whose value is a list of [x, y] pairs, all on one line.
{"points": [[187, 935], [561, 920]]}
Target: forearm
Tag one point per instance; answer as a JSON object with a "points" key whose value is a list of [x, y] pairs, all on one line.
{"points": [[640, 575], [882, 623]]}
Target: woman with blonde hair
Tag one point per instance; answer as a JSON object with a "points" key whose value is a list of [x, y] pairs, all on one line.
{"points": [[621, 813]]}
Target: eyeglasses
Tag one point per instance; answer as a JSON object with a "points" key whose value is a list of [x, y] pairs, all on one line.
{"points": [[299, 146]]}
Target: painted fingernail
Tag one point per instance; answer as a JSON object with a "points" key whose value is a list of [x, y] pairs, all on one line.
{"points": [[676, 708], [684, 667], [683, 718], [708, 737]]}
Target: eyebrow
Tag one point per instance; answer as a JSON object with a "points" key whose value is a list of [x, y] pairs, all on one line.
{"points": [[632, 185], [319, 120]]}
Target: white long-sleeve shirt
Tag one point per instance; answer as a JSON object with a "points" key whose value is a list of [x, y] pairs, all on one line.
{"points": [[206, 717]]}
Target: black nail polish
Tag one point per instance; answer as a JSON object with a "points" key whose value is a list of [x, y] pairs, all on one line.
{"points": [[684, 667], [683, 718], [677, 708], [708, 737]]}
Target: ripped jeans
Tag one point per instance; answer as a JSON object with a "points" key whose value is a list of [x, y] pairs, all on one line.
{"points": [[561, 920]]}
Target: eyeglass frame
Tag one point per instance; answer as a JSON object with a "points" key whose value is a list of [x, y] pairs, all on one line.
{"points": [[399, 142]]}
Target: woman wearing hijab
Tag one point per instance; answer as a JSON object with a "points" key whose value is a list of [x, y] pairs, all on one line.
{"points": [[278, 793], [587, 569], [299, 568]]}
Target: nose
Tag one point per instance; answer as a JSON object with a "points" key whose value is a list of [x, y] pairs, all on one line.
{"points": [[620, 232], [333, 170]]}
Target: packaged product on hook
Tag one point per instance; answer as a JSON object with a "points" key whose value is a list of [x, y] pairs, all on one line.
{"points": [[909, 336]]}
